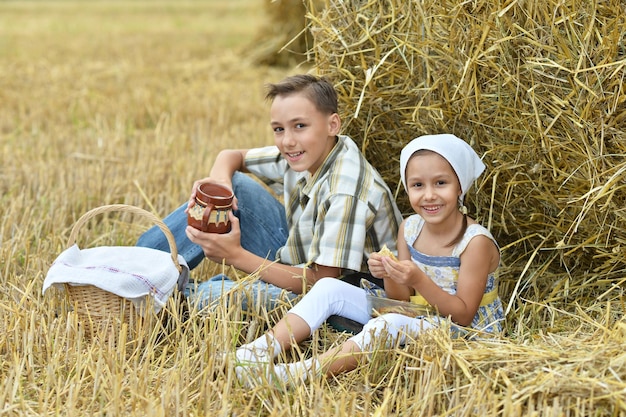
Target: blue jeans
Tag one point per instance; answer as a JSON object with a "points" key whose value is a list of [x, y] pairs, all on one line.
{"points": [[263, 231], [248, 295]]}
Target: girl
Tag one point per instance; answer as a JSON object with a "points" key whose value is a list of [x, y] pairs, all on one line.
{"points": [[445, 260]]}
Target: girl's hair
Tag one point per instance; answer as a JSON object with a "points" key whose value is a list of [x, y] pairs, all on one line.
{"points": [[459, 236], [318, 90]]}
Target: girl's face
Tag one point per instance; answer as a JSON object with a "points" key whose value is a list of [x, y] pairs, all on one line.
{"points": [[433, 187], [304, 135]]}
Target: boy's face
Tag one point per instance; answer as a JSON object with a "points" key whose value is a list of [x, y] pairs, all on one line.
{"points": [[304, 135]]}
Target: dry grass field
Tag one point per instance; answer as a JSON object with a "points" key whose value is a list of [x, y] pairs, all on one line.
{"points": [[128, 102]]}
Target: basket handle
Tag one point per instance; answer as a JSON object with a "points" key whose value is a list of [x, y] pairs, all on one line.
{"points": [[130, 209]]}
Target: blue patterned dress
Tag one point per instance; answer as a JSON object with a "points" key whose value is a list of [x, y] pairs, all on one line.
{"points": [[444, 271]]}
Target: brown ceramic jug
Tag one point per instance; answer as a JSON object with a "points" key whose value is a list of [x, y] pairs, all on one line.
{"points": [[210, 213]]}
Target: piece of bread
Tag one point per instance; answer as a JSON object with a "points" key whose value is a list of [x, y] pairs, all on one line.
{"points": [[384, 251]]}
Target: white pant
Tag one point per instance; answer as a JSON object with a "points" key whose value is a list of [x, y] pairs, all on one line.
{"points": [[330, 296]]}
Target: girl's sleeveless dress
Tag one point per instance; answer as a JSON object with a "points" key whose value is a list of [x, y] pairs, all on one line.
{"points": [[444, 271]]}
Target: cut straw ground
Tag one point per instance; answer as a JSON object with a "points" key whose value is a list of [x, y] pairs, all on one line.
{"points": [[94, 116]]}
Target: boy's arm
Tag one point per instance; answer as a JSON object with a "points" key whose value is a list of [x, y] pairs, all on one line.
{"points": [[226, 163], [227, 248], [291, 278], [224, 167]]}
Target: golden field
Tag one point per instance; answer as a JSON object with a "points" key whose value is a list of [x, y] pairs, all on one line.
{"points": [[128, 102]]}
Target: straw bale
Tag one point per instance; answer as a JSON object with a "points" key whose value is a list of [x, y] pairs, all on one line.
{"points": [[535, 86], [283, 40]]}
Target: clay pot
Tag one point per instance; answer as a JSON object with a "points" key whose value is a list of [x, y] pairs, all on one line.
{"points": [[210, 213]]}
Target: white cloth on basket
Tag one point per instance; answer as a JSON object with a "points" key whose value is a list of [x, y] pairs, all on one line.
{"points": [[132, 272]]}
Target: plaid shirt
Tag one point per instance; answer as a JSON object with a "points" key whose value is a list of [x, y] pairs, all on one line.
{"points": [[336, 217]]}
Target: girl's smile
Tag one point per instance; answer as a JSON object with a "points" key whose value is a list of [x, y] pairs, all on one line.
{"points": [[432, 209]]}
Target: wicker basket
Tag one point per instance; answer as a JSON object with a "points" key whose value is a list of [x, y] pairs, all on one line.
{"points": [[102, 314]]}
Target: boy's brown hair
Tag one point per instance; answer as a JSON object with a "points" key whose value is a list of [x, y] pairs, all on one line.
{"points": [[317, 89]]}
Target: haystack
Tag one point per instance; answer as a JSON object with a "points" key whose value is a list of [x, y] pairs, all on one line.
{"points": [[284, 39], [535, 86]]}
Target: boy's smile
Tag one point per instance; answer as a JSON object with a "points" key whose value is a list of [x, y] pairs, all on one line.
{"points": [[304, 135]]}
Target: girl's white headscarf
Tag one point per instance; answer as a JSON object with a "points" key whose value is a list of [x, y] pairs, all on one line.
{"points": [[464, 160]]}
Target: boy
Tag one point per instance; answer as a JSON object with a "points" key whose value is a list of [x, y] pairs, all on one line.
{"points": [[337, 209]]}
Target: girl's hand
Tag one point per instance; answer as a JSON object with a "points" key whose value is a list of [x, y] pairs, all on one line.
{"points": [[402, 272], [376, 267]]}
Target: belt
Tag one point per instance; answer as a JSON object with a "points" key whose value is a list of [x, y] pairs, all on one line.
{"points": [[488, 298]]}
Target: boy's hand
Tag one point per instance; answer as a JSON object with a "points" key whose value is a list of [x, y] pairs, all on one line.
{"points": [[197, 183], [219, 247]]}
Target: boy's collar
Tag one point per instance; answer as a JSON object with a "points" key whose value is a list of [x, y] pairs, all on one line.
{"points": [[327, 164]]}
